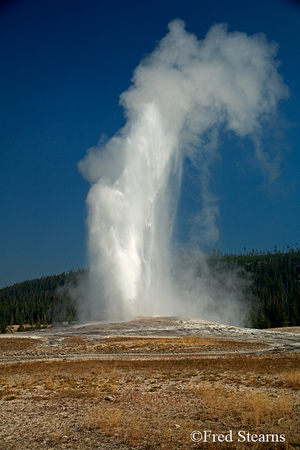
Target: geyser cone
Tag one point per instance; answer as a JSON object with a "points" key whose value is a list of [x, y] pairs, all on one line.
{"points": [[181, 95]]}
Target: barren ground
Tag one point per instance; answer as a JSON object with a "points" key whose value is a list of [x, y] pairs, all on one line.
{"points": [[147, 384]]}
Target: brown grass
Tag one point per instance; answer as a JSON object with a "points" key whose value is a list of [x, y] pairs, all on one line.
{"points": [[293, 379], [156, 403], [124, 345], [12, 344], [150, 345]]}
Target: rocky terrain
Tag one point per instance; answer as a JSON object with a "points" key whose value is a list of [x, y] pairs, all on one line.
{"points": [[148, 384]]}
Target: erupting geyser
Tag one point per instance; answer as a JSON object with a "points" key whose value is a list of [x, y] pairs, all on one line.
{"points": [[181, 95]]}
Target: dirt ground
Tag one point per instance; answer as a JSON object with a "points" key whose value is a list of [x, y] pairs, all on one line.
{"points": [[152, 383]]}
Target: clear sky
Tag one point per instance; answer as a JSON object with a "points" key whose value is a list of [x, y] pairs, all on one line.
{"points": [[64, 64]]}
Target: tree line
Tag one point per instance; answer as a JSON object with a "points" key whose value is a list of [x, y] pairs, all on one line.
{"points": [[275, 285], [274, 292], [39, 302]]}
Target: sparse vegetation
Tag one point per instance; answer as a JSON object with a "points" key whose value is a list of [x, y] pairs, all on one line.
{"points": [[293, 379], [154, 403]]}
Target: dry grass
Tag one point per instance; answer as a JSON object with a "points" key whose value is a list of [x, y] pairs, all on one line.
{"points": [[124, 344], [293, 379], [156, 403], [165, 413], [15, 344]]}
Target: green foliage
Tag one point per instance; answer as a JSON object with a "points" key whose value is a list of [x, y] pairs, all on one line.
{"points": [[274, 293], [275, 287], [3, 328], [39, 302]]}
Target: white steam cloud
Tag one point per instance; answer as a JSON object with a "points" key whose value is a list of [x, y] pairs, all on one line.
{"points": [[181, 96]]}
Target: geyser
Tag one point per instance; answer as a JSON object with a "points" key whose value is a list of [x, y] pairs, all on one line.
{"points": [[181, 96]]}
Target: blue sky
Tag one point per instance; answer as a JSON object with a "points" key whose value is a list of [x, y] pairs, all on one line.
{"points": [[64, 64]]}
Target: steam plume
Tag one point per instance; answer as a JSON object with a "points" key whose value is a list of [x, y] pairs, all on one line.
{"points": [[181, 96]]}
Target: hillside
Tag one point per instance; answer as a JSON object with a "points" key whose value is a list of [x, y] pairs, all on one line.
{"points": [[273, 295], [275, 286], [38, 302]]}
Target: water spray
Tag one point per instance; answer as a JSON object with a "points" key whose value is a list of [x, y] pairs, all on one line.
{"points": [[181, 95]]}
